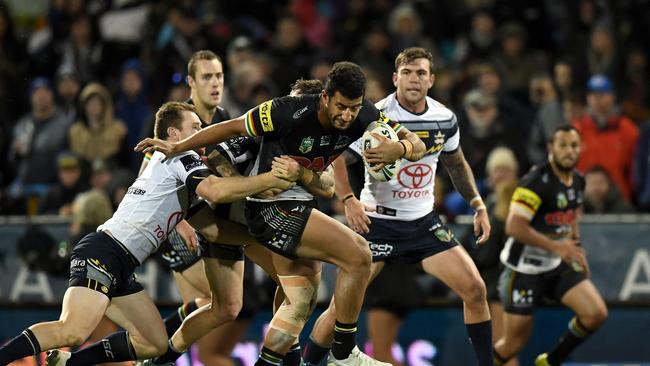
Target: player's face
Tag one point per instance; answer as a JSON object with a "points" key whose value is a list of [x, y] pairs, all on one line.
{"points": [[341, 111], [565, 149], [207, 83], [413, 80], [191, 124]]}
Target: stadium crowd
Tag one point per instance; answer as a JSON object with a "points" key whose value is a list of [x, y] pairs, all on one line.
{"points": [[79, 81]]}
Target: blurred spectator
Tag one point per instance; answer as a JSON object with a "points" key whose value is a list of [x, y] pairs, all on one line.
{"points": [[12, 68], [484, 128], [635, 91], [290, 52], [97, 134], [100, 175], [120, 182], [609, 138], [480, 42], [549, 116], [601, 196], [38, 138], [514, 64], [132, 107], [375, 90], [238, 97], [563, 79], [89, 210], [405, 27], [60, 196], [177, 93], [489, 81], [68, 87], [374, 54], [601, 55], [83, 50], [177, 40], [642, 169]]}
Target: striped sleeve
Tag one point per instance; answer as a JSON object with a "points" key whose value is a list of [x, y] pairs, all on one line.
{"points": [[525, 202]]}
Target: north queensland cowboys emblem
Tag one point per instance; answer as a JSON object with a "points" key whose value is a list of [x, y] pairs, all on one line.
{"points": [[439, 138], [443, 234], [306, 145]]}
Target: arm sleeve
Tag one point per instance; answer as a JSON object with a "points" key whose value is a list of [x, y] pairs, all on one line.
{"points": [[269, 118], [356, 148], [452, 141], [526, 200], [238, 149], [190, 169]]}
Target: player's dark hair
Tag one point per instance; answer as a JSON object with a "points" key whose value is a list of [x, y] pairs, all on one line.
{"points": [[411, 54], [170, 114], [346, 78], [303, 87], [200, 55], [562, 128]]}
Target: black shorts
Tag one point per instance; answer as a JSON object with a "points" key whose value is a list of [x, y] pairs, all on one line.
{"points": [[396, 241], [100, 263], [491, 278], [521, 293], [279, 225], [178, 257], [395, 290]]}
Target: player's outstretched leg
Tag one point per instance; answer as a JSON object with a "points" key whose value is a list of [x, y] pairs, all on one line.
{"points": [[82, 309], [327, 239], [591, 312], [456, 269]]}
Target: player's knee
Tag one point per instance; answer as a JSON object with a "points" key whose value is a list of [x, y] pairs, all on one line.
{"points": [[595, 318], [475, 291], [360, 256], [226, 310], [75, 335]]}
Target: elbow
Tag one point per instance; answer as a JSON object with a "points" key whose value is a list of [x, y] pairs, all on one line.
{"points": [[209, 190]]}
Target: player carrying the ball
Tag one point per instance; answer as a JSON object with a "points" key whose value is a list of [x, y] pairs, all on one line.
{"points": [[313, 130], [397, 218]]}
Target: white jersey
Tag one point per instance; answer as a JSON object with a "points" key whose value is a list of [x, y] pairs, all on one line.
{"points": [[409, 195], [156, 202]]}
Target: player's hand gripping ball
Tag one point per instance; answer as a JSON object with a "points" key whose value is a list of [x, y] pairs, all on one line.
{"points": [[369, 141]]}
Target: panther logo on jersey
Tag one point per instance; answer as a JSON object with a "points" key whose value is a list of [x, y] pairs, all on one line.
{"points": [[415, 176]]}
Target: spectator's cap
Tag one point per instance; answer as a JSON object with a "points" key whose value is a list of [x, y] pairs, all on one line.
{"points": [[240, 43], [479, 100], [600, 84], [67, 160], [40, 82], [133, 64], [66, 72], [99, 165]]}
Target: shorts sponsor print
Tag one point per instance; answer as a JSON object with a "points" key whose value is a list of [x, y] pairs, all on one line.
{"points": [[100, 263], [408, 241]]}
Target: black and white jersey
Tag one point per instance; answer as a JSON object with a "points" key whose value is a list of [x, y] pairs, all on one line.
{"points": [[156, 202], [552, 208], [409, 195], [289, 126]]}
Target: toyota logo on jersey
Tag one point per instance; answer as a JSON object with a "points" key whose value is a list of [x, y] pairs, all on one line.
{"points": [[415, 176]]}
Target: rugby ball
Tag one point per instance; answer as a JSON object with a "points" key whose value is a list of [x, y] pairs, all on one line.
{"points": [[369, 141]]}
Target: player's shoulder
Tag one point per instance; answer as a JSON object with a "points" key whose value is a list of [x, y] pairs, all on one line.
{"points": [[538, 176], [187, 160], [437, 111], [296, 107]]}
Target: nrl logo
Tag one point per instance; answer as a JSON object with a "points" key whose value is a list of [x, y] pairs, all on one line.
{"points": [[306, 145], [562, 201]]}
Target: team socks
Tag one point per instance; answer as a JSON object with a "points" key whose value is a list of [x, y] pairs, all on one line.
{"points": [[175, 319], [115, 348], [21, 346], [576, 334], [313, 353], [480, 335], [292, 358], [344, 340], [170, 356], [269, 358]]}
